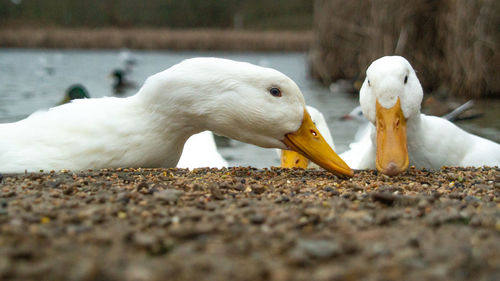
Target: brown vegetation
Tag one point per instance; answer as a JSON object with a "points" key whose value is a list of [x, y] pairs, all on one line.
{"points": [[454, 45], [150, 38]]}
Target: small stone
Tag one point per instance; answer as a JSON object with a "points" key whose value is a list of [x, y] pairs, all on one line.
{"points": [[144, 239], [122, 215], [383, 197], [168, 195], [355, 187], [257, 188], [319, 249], [282, 199], [142, 185], [216, 193], [257, 219]]}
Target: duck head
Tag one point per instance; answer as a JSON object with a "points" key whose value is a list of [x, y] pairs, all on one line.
{"points": [[390, 95], [76, 91], [249, 103]]}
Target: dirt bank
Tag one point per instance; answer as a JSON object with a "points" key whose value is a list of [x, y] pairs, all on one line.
{"points": [[154, 39], [249, 224]]}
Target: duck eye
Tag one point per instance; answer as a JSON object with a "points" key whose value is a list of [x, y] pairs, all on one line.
{"points": [[369, 85], [406, 79], [275, 92]]}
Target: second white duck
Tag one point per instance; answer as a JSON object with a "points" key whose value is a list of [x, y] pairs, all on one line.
{"points": [[390, 98]]}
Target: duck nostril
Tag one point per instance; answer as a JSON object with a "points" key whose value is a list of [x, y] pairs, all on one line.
{"points": [[297, 161], [313, 132]]}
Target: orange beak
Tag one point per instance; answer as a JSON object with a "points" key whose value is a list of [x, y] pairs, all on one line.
{"points": [[292, 159], [310, 143], [392, 151]]}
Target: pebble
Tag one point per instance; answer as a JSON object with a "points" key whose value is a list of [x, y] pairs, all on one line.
{"points": [[249, 224], [318, 249], [168, 195]]}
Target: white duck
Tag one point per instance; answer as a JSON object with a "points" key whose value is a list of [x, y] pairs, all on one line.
{"points": [[239, 100], [199, 151], [290, 159], [390, 98]]}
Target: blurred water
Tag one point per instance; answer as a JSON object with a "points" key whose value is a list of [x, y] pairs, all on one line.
{"points": [[36, 79]]}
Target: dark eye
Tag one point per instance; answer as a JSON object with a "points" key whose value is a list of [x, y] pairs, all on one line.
{"points": [[275, 92], [369, 85], [406, 79]]}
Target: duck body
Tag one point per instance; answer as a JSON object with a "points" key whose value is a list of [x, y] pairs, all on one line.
{"points": [[433, 142], [400, 135], [239, 100], [199, 151], [89, 136]]}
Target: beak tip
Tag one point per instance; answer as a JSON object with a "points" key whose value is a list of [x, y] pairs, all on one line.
{"points": [[393, 169]]}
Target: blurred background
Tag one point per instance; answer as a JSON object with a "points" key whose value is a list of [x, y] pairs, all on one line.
{"points": [[109, 47]]}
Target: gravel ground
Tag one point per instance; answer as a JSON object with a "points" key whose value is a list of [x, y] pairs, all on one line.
{"points": [[250, 224]]}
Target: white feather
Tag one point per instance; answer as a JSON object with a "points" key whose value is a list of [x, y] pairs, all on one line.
{"points": [[150, 128], [199, 151]]}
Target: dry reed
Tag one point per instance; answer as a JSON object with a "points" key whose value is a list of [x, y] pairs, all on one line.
{"points": [[149, 38], [453, 44]]}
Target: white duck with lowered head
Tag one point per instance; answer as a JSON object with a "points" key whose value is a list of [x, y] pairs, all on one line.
{"points": [[390, 98], [239, 100]]}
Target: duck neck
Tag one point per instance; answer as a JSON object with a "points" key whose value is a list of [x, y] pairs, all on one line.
{"points": [[414, 135], [178, 110]]}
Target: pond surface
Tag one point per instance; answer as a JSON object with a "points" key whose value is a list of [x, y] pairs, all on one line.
{"points": [[31, 80]]}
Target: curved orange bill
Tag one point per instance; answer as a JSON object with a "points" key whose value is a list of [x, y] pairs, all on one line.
{"points": [[308, 141], [392, 151], [292, 159]]}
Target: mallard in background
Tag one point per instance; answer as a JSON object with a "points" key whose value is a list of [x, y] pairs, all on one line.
{"points": [[401, 136], [74, 92], [239, 100], [120, 82]]}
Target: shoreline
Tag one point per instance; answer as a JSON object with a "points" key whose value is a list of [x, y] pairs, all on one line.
{"points": [[155, 39]]}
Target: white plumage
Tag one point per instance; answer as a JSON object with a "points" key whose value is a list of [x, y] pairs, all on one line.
{"points": [[199, 151], [150, 128], [432, 142]]}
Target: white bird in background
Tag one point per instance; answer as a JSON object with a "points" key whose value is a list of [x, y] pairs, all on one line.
{"points": [[128, 60], [239, 100], [290, 159], [364, 126], [400, 135], [199, 151]]}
